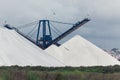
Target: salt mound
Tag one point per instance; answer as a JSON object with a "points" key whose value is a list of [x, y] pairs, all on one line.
{"points": [[80, 52], [16, 50]]}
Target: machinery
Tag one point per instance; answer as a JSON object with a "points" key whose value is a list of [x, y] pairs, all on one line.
{"points": [[44, 36]]}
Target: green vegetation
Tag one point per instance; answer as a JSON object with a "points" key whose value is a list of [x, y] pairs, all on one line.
{"points": [[60, 73]]}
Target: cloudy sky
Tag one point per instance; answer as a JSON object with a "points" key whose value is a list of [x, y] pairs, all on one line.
{"points": [[103, 29]]}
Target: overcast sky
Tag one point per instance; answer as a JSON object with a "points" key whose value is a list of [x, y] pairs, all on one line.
{"points": [[103, 29]]}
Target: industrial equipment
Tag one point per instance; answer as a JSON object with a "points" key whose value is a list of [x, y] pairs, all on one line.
{"points": [[44, 29]]}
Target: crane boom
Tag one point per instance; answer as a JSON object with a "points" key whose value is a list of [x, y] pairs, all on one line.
{"points": [[76, 26]]}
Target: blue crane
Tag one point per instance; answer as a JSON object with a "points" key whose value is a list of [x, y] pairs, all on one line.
{"points": [[44, 27]]}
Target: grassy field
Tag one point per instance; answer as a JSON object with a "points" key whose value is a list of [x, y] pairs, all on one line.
{"points": [[66, 73]]}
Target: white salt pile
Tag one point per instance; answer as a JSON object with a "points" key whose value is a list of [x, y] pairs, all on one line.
{"points": [[80, 52], [16, 50]]}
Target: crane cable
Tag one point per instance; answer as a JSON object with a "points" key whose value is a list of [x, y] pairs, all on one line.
{"points": [[55, 31], [62, 22], [27, 25], [55, 28], [32, 30], [58, 32]]}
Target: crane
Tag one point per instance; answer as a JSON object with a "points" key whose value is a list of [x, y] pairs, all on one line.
{"points": [[47, 39]]}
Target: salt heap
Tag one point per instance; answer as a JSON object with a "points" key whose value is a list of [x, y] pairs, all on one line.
{"points": [[16, 50], [80, 52]]}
